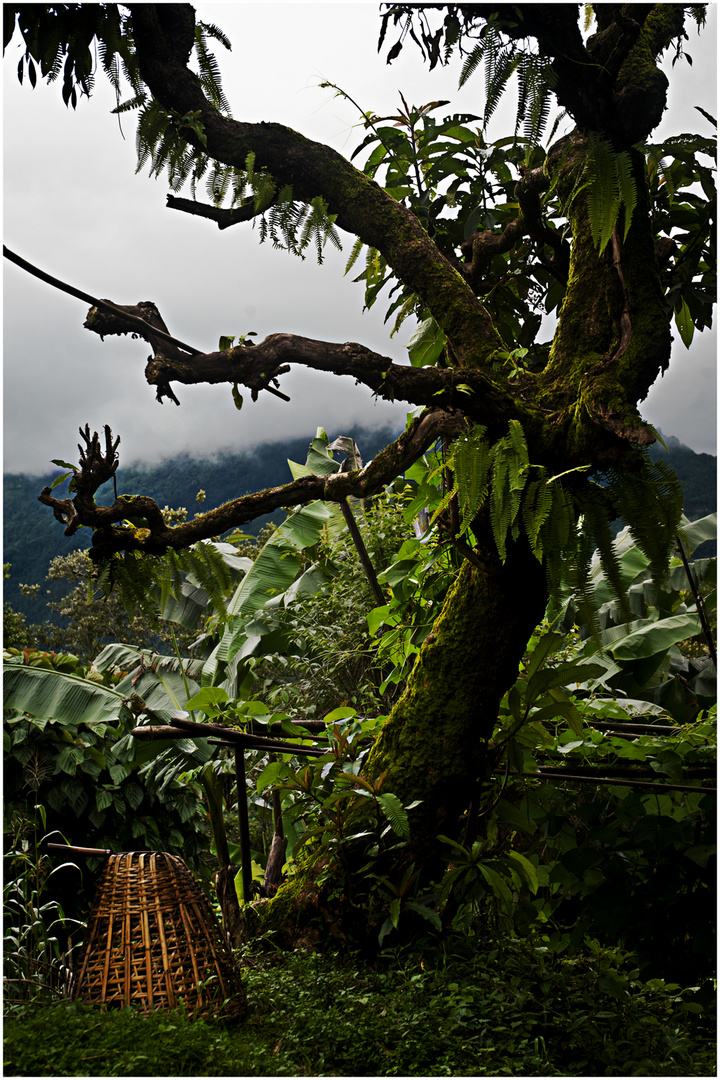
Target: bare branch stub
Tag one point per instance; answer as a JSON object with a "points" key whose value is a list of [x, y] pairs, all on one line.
{"points": [[96, 467], [224, 217]]}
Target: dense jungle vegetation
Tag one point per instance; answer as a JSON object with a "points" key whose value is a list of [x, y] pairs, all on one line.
{"points": [[439, 744]]}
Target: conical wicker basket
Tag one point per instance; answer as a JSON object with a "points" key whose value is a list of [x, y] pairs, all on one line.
{"points": [[152, 940]]}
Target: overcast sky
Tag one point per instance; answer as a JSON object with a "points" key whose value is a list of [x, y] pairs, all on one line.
{"points": [[74, 207]]}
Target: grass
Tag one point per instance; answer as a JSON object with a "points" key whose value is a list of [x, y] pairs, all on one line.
{"points": [[481, 1011]]}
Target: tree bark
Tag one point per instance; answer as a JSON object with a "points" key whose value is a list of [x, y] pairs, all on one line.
{"points": [[433, 744]]}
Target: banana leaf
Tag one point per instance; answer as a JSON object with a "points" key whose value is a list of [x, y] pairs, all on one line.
{"points": [[277, 565], [656, 638], [57, 696]]}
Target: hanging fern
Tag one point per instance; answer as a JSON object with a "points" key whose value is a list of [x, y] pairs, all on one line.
{"points": [[611, 187], [536, 80], [209, 71], [145, 582], [650, 501], [565, 526]]}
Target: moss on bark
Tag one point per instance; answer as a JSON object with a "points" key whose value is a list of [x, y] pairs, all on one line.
{"points": [[434, 741]]}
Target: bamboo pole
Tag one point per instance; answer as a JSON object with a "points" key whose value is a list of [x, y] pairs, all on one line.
{"points": [[245, 854]]}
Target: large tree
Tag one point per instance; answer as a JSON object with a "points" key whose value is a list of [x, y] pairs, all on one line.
{"points": [[477, 241]]}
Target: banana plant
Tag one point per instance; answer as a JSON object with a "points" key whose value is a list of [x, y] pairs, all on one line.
{"points": [[642, 640]]}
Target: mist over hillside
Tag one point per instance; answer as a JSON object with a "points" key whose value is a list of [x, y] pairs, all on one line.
{"points": [[32, 537]]}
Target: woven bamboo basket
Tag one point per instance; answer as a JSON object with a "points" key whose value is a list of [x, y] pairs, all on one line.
{"points": [[152, 940]]}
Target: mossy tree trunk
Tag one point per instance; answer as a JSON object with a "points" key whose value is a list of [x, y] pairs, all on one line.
{"points": [[434, 744]]}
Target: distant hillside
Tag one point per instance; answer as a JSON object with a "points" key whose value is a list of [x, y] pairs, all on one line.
{"points": [[696, 472], [32, 537]]}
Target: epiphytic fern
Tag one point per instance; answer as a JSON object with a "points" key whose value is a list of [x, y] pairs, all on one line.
{"points": [[564, 524], [536, 80], [144, 582], [611, 188]]}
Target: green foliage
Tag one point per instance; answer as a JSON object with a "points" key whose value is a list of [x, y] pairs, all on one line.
{"points": [[611, 187], [501, 61], [682, 187], [62, 38], [84, 621], [173, 483], [36, 934], [522, 496], [497, 1010], [68, 749]]}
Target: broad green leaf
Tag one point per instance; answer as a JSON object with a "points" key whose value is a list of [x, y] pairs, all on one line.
{"points": [[208, 699], [276, 567], [164, 692], [394, 811], [529, 871], [376, 618], [546, 645], [564, 675], [395, 911], [656, 637], [426, 344], [186, 609], [52, 694], [426, 912], [272, 772], [684, 322], [498, 885], [343, 712], [694, 533]]}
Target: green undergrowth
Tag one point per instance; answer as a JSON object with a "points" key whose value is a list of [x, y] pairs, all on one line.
{"points": [[470, 1010]]}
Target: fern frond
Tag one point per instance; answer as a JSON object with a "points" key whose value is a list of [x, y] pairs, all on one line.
{"points": [[509, 476], [212, 31], [135, 102], [218, 181], [650, 502], [536, 508], [209, 70], [499, 72], [52, 72], [354, 255], [152, 123], [598, 528], [470, 461], [604, 191], [407, 306], [471, 63]]}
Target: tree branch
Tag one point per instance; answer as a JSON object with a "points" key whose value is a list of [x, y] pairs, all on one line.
{"points": [[361, 207], [224, 217], [133, 321], [257, 365], [155, 537], [481, 248]]}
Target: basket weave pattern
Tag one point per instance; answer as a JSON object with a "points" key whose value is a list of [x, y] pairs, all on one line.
{"points": [[152, 939]]}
